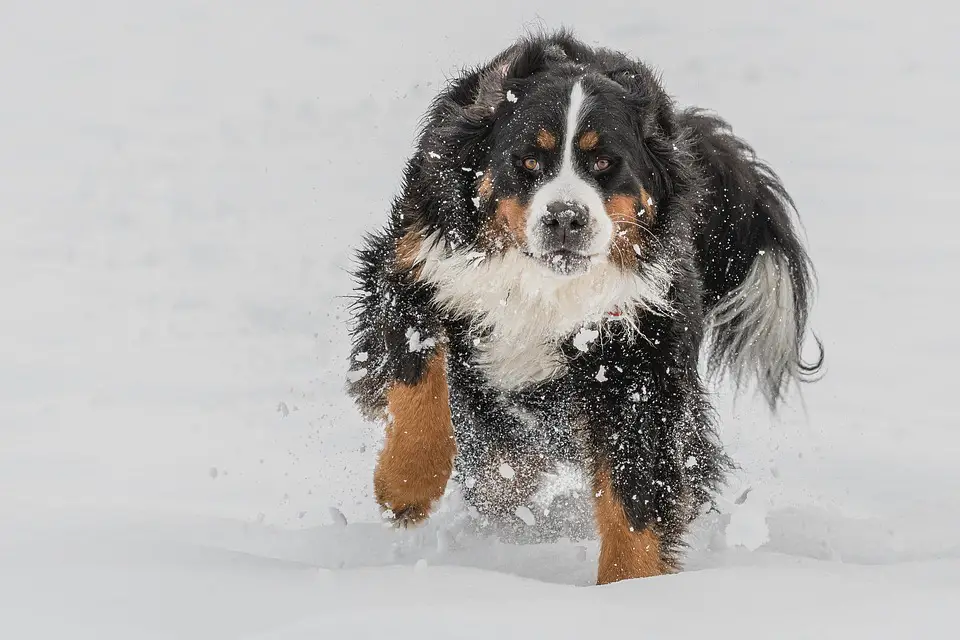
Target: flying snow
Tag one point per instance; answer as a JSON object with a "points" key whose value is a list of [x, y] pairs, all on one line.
{"points": [[414, 342], [584, 337]]}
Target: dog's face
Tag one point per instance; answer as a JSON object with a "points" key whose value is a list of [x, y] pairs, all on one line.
{"points": [[541, 201], [564, 183]]}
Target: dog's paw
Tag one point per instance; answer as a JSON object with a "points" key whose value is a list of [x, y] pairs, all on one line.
{"points": [[406, 489], [406, 516]]}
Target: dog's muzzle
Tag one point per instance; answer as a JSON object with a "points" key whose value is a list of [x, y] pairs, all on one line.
{"points": [[565, 234]]}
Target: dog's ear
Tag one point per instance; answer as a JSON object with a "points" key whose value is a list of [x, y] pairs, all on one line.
{"points": [[661, 140], [648, 101], [506, 73], [462, 116]]}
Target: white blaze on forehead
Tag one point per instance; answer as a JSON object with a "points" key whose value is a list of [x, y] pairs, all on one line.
{"points": [[575, 110], [569, 185]]}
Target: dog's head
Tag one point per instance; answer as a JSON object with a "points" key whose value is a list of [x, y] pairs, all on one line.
{"points": [[567, 163]]}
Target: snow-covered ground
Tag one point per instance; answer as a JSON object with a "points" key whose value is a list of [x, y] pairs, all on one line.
{"points": [[181, 184]]}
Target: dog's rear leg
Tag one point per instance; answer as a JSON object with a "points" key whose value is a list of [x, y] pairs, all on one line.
{"points": [[417, 459]]}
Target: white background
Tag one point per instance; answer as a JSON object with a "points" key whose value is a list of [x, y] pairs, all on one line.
{"points": [[181, 187]]}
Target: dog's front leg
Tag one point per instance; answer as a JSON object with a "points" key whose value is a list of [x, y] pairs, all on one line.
{"points": [[653, 458], [399, 374], [417, 458], [630, 545]]}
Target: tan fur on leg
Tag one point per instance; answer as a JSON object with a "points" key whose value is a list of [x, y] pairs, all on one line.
{"points": [[624, 553], [417, 459]]}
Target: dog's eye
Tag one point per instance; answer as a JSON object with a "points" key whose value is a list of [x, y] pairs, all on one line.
{"points": [[531, 164], [601, 164]]}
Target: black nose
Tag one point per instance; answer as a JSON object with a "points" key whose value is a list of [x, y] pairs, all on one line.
{"points": [[565, 224]]}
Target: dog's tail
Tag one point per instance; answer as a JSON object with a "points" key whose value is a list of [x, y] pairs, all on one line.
{"points": [[758, 279]]}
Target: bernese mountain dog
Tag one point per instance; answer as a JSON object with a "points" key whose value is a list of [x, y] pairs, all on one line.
{"points": [[566, 245]]}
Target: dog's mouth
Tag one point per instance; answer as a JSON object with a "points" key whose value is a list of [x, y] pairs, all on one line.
{"points": [[564, 262]]}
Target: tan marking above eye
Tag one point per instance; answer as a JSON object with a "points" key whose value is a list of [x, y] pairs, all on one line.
{"points": [[531, 164], [546, 140], [589, 140]]}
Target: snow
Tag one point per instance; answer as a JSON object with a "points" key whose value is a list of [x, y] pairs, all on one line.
{"points": [[747, 527], [182, 184], [526, 516], [357, 374], [415, 343], [584, 337]]}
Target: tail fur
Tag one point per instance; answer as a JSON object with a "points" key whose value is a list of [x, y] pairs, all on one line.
{"points": [[758, 279]]}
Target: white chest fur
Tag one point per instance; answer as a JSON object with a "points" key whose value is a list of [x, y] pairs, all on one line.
{"points": [[527, 311]]}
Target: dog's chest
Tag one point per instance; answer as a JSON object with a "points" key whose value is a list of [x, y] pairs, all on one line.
{"points": [[510, 364], [520, 316], [524, 349]]}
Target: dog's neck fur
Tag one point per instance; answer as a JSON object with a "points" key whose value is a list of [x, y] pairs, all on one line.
{"points": [[526, 313]]}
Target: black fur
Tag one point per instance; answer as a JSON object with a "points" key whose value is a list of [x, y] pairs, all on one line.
{"points": [[647, 418], [746, 210]]}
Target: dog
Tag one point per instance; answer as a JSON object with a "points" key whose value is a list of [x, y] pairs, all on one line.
{"points": [[567, 246]]}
